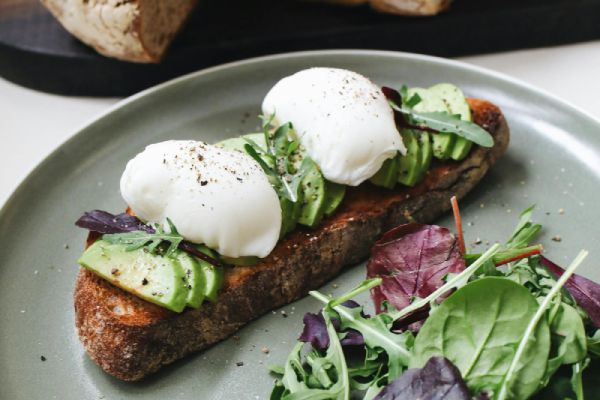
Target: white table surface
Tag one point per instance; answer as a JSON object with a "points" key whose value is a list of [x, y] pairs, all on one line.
{"points": [[32, 123]]}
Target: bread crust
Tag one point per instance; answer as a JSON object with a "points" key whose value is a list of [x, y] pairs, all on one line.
{"points": [[414, 8], [118, 29], [130, 338]]}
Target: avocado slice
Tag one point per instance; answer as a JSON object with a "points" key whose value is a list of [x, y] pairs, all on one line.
{"points": [[426, 150], [387, 176], [157, 279], [195, 278], [410, 169], [457, 104], [443, 142], [334, 194], [238, 143], [313, 188], [290, 212], [213, 276]]}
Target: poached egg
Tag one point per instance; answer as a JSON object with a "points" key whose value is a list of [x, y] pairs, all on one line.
{"points": [[216, 197], [342, 119]]}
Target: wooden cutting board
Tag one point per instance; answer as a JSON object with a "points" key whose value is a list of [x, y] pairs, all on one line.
{"points": [[35, 51]]}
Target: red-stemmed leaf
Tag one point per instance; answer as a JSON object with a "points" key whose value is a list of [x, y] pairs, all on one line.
{"points": [[412, 261], [585, 292]]}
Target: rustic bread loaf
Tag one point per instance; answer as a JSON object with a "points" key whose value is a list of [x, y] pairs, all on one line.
{"points": [[131, 30], [130, 338]]}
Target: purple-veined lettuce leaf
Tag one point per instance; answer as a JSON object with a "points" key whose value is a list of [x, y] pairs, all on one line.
{"points": [[439, 379], [585, 292], [315, 330], [107, 223], [412, 261]]}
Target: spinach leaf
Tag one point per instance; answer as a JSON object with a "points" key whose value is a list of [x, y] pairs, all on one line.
{"points": [[478, 328], [508, 387]]}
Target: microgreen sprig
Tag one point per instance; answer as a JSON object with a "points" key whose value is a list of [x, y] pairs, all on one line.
{"points": [[276, 158], [137, 239]]}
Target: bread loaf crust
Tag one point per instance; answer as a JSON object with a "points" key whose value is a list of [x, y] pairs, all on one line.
{"points": [[130, 338], [413, 8], [117, 28]]}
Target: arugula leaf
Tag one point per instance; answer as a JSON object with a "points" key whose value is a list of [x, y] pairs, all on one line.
{"points": [[376, 333], [577, 378], [137, 239], [446, 123], [315, 380]]}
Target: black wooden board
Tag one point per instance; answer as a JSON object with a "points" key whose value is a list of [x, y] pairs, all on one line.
{"points": [[35, 51]]}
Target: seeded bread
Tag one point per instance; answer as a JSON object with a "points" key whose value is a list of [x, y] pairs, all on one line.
{"points": [[130, 30], [130, 338]]}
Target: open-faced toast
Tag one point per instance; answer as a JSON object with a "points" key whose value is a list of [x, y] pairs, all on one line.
{"points": [[130, 338]]}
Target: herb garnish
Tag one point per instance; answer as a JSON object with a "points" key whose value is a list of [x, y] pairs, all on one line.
{"points": [[445, 122], [131, 231], [137, 239], [502, 333], [276, 158]]}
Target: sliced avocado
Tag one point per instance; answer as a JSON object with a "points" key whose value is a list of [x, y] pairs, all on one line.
{"points": [[457, 104], [334, 194], [387, 176], [410, 164], [238, 143], [290, 212], [195, 278], [313, 188], [213, 276], [157, 279], [443, 143], [426, 150]]}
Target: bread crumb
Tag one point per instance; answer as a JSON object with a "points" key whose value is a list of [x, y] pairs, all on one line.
{"points": [[557, 238], [265, 350]]}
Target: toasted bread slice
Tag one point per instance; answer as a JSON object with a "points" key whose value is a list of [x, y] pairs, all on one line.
{"points": [[130, 338]]}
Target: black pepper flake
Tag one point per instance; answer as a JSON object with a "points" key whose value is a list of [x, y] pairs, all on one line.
{"points": [[114, 271], [42, 358], [239, 364], [203, 183], [144, 281]]}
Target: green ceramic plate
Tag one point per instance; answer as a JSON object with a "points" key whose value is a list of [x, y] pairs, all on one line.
{"points": [[553, 160]]}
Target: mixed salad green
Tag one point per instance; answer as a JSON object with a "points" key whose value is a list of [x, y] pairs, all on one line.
{"points": [[451, 325]]}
